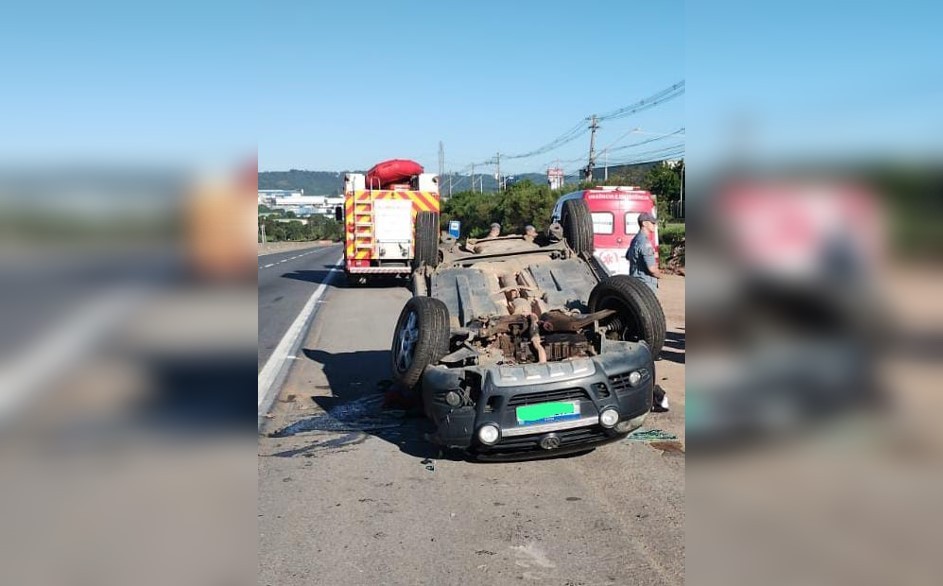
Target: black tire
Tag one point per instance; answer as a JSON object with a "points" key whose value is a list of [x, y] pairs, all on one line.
{"points": [[639, 313], [427, 239], [577, 225], [425, 345]]}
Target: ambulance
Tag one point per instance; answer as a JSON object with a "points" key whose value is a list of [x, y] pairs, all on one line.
{"points": [[615, 211]]}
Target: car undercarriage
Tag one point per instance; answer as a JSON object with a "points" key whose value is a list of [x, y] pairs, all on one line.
{"points": [[526, 349]]}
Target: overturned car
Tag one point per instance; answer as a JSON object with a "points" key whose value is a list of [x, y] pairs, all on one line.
{"points": [[528, 349]]}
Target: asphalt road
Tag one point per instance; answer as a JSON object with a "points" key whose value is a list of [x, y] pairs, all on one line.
{"points": [[350, 493], [286, 281]]}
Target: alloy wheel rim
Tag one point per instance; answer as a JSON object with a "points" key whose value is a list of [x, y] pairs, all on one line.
{"points": [[406, 346]]}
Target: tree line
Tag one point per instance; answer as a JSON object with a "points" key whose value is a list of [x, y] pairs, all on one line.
{"points": [[522, 203], [526, 203], [317, 228]]}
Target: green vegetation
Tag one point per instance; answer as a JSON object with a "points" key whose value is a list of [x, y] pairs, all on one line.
{"points": [[628, 175], [671, 234], [664, 253], [663, 181], [523, 203], [317, 228], [332, 182]]}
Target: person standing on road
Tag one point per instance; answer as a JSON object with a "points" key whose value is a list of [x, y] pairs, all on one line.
{"points": [[495, 230], [641, 253], [642, 265]]}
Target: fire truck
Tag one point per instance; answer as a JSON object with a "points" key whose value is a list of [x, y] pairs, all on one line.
{"points": [[391, 221]]}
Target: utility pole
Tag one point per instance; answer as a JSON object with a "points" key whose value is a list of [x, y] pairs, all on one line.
{"points": [[441, 159], [497, 173], [605, 158], [681, 202], [450, 185], [593, 126], [473, 178]]}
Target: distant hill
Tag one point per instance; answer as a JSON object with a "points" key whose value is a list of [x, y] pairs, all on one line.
{"points": [[332, 182], [313, 182]]}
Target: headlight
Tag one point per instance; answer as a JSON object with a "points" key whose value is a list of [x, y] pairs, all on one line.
{"points": [[489, 434], [631, 424], [609, 417], [453, 399], [635, 377]]}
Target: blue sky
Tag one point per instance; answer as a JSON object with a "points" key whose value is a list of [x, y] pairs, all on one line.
{"points": [[813, 80], [127, 83], [335, 85], [346, 85]]}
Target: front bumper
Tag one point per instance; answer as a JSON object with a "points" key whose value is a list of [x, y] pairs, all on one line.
{"points": [[491, 395]]}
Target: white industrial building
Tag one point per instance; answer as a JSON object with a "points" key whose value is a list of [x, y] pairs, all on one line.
{"points": [[299, 203]]}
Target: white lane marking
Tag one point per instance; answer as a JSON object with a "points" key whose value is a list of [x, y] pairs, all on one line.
{"points": [[288, 259], [312, 250], [285, 349]]}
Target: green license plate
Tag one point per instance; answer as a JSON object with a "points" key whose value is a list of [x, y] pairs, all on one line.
{"points": [[548, 412]]}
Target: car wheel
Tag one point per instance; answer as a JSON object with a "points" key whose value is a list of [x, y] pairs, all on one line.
{"points": [[427, 239], [577, 225], [421, 338], [639, 315]]}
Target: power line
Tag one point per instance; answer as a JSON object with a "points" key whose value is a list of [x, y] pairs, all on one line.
{"points": [[651, 101], [641, 142], [648, 140], [668, 148], [569, 136], [665, 155], [580, 129]]}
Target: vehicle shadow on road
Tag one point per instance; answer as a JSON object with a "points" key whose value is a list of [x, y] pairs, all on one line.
{"points": [[359, 383], [316, 276], [376, 283], [339, 279], [674, 348]]}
